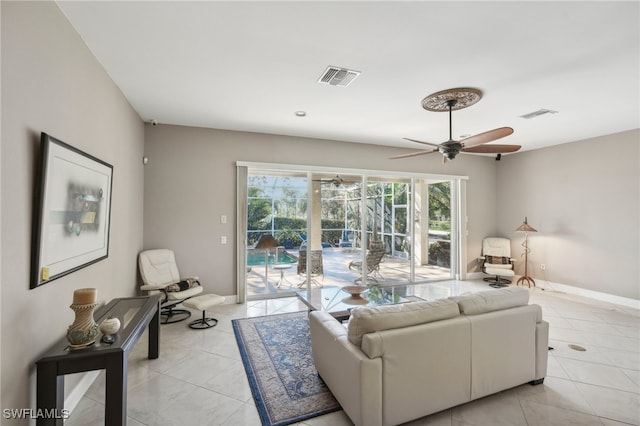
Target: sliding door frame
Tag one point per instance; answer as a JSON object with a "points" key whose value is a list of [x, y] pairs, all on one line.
{"points": [[458, 207]]}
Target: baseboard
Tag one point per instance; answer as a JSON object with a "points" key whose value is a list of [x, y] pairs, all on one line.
{"points": [[597, 295], [564, 288], [475, 275], [78, 391]]}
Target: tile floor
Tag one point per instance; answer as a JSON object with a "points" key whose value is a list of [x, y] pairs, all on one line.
{"points": [[199, 378]]}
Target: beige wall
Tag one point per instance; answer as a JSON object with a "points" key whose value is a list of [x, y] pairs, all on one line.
{"points": [[52, 83], [583, 198], [190, 182]]}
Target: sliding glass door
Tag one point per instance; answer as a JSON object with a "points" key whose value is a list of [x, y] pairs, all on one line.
{"points": [[302, 229]]}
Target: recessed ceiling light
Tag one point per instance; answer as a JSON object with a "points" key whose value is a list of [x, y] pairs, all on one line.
{"points": [[301, 114]]}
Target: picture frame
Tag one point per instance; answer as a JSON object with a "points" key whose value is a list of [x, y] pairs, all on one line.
{"points": [[72, 211]]}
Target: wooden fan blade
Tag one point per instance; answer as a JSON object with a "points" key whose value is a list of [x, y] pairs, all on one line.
{"points": [[485, 137], [424, 143], [492, 149], [412, 154]]}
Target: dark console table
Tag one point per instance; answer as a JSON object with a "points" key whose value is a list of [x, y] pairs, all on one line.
{"points": [[134, 313]]}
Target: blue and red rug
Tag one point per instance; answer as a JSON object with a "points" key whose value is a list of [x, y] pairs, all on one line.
{"points": [[276, 352]]}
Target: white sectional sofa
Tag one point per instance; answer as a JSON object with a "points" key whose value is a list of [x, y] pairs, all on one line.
{"points": [[396, 363]]}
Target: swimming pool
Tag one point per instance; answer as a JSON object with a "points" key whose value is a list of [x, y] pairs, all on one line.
{"points": [[256, 257]]}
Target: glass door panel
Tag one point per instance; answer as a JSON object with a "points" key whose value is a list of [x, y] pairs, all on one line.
{"points": [[388, 229], [433, 258], [276, 228], [338, 224]]}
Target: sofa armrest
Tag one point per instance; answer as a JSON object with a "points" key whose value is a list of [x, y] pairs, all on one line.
{"points": [[353, 378], [542, 348]]}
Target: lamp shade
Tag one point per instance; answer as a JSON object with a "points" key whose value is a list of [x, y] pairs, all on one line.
{"points": [[266, 241], [525, 227]]}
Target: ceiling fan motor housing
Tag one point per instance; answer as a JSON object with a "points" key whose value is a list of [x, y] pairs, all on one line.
{"points": [[450, 149]]}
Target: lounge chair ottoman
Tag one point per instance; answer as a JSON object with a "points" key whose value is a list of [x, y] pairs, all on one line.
{"points": [[202, 303]]}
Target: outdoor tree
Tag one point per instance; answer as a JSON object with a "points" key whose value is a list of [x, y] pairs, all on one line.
{"points": [[258, 209], [440, 202]]}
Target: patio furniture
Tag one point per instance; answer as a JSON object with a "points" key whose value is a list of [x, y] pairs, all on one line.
{"points": [[316, 267], [374, 257], [346, 241], [303, 246], [282, 267]]}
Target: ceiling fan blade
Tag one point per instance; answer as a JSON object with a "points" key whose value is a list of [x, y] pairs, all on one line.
{"points": [[412, 154], [492, 149], [485, 137], [424, 143]]}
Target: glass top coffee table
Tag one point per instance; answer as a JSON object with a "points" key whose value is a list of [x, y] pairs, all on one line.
{"points": [[339, 303]]}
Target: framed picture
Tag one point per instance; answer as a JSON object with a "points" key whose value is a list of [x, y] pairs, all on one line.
{"points": [[72, 211]]}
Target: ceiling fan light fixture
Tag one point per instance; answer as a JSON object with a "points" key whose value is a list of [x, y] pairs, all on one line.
{"points": [[463, 97]]}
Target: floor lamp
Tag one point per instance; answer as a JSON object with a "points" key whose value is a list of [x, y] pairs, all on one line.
{"points": [[266, 242], [526, 228]]}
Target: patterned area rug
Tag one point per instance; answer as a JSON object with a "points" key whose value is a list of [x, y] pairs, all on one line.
{"points": [[276, 352]]}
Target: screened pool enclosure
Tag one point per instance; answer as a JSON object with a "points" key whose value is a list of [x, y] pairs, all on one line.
{"points": [[340, 227]]}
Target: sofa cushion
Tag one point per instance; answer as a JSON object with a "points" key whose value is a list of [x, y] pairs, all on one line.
{"points": [[493, 300], [369, 319]]}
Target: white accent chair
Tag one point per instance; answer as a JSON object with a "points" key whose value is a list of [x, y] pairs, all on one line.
{"points": [[496, 261], [160, 274]]}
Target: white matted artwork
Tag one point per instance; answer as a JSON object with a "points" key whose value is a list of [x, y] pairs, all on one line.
{"points": [[71, 219]]}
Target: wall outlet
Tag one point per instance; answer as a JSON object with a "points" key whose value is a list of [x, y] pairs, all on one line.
{"points": [[543, 266], [223, 240]]}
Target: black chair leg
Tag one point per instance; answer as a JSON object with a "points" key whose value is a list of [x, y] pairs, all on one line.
{"points": [[497, 282], [203, 322], [170, 315]]}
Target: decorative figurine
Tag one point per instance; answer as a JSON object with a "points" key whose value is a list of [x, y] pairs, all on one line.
{"points": [[109, 328]]}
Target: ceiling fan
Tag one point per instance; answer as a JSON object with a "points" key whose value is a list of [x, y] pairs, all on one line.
{"points": [[335, 181], [448, 100]]}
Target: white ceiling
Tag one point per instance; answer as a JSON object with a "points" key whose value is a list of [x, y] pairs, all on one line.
{"points": [[249, 66]]}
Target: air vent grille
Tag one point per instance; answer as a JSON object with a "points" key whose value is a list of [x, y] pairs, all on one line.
{"points": [[336, 76], [538, 113]]}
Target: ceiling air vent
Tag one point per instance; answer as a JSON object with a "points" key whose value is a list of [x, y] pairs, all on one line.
{"points": [[336, 76], [538, 113]]}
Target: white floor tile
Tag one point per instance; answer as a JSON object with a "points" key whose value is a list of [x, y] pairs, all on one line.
{"points": [[612, 404], [597, 374], [549, 415], [555, 392]]}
